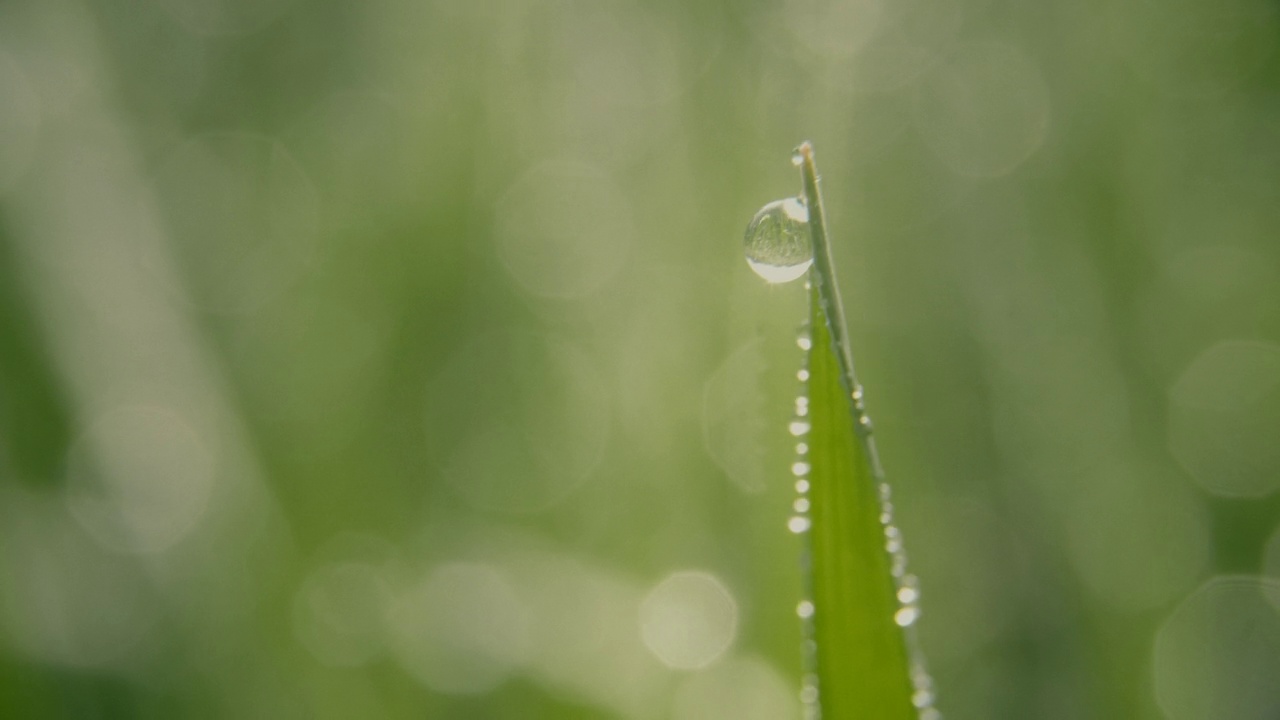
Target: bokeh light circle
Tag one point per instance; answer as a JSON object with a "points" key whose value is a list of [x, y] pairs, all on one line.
{"points": [[1218, 655], [339, 612], [65, 601], [688, 620], [140, 478], [737, 689], [1224, 412], [461, 631]]}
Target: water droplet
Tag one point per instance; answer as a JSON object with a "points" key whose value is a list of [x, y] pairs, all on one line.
{"points": [[797, 158], [777, 242], [798, 524], [856, 394], [802, 448], [801, 505], [804, 609], [803, 375], [865, 423], [920, 678], [909, 594], [906, 616], [922, 699], [802, 406], [798, 428], [809, 694], [804, 341], [802, 486], [800, 469]]}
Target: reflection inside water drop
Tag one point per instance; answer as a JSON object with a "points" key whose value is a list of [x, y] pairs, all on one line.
{"points": [[777, 242]]}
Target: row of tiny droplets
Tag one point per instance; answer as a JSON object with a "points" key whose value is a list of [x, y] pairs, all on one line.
{"points": [[907, 585], [799, 523]]}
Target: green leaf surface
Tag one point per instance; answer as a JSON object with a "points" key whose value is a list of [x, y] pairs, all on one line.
{"points": [[861, 653], [862, 660]]}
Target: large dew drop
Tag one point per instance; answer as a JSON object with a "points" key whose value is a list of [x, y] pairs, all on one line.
{"points": [[778, 246]]}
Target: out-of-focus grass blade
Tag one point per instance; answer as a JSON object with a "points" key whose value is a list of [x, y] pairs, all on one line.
{"points": [[862, 660]]}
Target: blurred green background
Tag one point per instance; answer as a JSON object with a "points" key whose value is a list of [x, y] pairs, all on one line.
{"points": [[398, 359]]}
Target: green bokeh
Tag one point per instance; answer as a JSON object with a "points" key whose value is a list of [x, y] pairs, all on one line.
{"points": [[390, 359]]}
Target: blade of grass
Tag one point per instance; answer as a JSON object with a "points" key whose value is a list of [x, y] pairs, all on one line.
{"points": [[863, 661]]}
